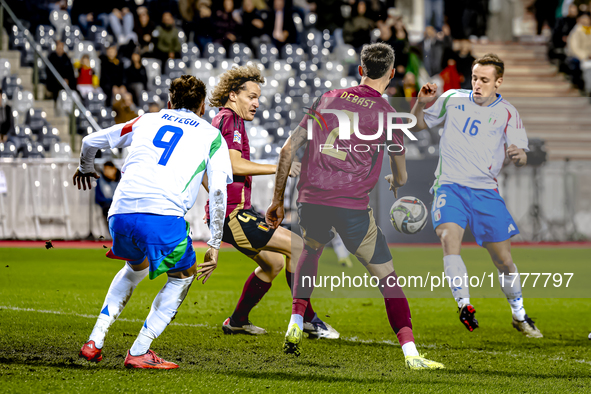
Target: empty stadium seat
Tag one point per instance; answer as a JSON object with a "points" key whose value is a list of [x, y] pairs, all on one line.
{"points": [[8, 149], [45, 36], [267, 54], [240, 53], [48, 138], [95, 102], [189, 52], [292, 53], [36, 120], [71, 36], [153, 70], [215, 53], [10, 84], [59, 19], [64, 103], [174, 68], [4, 68]]}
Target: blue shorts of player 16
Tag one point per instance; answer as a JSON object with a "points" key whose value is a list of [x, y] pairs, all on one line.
{"points": [[483, 210]]}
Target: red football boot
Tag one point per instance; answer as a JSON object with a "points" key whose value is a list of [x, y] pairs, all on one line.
{"points": [[90, 352], [149, 360]]}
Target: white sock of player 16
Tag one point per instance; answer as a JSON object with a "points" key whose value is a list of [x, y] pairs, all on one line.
{"points": [[119, 293], [163, 310], [511, 286], [454, 268]]}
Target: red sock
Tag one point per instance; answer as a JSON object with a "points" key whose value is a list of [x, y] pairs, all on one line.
{"points": [[396, 307], [307, 267], [299, 305], [309, 314], [254, 289]]}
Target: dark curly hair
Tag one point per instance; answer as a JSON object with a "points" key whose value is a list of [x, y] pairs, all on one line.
{"points": [[187, 92], [233, 80]]}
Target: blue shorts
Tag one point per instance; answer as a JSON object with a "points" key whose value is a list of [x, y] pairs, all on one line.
{"points": [[483, 210], [164, 240]]}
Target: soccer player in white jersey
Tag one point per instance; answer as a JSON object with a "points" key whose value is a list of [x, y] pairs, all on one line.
{"points": [[169, 152], [480, 128]]}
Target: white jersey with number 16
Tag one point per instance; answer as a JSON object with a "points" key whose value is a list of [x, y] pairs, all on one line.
{"points": [[472, 146]]}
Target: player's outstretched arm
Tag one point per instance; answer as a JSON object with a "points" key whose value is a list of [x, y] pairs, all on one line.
{"points": [[399, 175], [245, 167], [426, 95], [517, 155], [295, 141]]}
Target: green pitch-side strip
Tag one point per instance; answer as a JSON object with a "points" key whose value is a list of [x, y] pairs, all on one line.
{"points": [[174, 257], [444, 108], [215, 145], [436, 186]]}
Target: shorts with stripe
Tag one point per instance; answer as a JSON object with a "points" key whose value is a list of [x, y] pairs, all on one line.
{"points": [[357, 228], [163, 240], [247, 231]]}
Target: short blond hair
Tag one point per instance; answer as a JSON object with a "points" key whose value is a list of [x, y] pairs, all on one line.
{"points": [[233, 80]]}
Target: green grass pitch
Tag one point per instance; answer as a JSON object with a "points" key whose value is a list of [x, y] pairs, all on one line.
{"points": [[49, 300]]}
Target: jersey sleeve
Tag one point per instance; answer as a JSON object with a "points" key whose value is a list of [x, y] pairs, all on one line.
{"points": [[232, 131], [117, 136], [436, 114], [514, 130], [219, 174]]}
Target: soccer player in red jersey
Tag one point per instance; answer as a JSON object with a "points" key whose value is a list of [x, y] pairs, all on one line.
{"points": [[237, 95], [336, 179]]}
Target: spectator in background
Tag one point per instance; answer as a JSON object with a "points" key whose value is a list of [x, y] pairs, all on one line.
{"points": [[154, 107], [121, 22], [105, 188], [63, 65], [280, 24], [434, 13], [252, 24], [86, 13], [561, 31], [136, 77], [397, 38], [124, 108], [500, 21], [357, 30], [225, 26], [579, 51], [167, 44], [111, 74], [87, 80], [6, 119], [464, 62], [143, 28], [546, 12], [450, 75], [432, 51], [203, 24]]}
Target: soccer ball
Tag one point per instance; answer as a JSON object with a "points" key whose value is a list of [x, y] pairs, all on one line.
{"points": [[408, 215]]}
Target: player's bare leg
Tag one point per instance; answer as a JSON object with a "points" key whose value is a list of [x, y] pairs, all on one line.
{"points": [[119, 293], [510, 281], [450, 235], [163, 310]]}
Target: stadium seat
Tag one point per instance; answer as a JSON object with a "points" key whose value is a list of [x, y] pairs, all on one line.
{"points": [[48, 138], [64, 103], [270, 151], [45, 36], [4, 68], [71, 36], [215, 53], [21, 137], [267, 54], [10, 84], [201, 69], [36, 120], [59, 19], [174, 68], [153, 70], [240, 53], [60, 150], [95, 102], [16, 38], [34, 150], [281, 70], [98, 35], [292, 53], [106, 118], [146, 99], [161, 86], [189, 52], [8, 149]]}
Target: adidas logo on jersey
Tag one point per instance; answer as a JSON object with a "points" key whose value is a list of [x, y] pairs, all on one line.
{"points": [[511, 228], [460, 107]]}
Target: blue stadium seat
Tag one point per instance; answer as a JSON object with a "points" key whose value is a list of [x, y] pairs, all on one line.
{"points": [[36, 120], [215, 53], [45, 36], [72, 36], [267, 54], [10, 85], [189, 52], [8, 149]]}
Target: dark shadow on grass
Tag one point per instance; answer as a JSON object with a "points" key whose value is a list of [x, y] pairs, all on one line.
{"points": [[68, 363]]}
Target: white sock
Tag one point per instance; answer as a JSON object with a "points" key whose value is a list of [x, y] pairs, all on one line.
{"points": [[164, 308], [409, 349], [119, 293], [339, 248], [454, 266], [513, 293], [296, 319]]}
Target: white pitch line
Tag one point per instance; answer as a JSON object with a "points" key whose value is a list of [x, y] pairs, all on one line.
{"points": [[348, 339]]}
